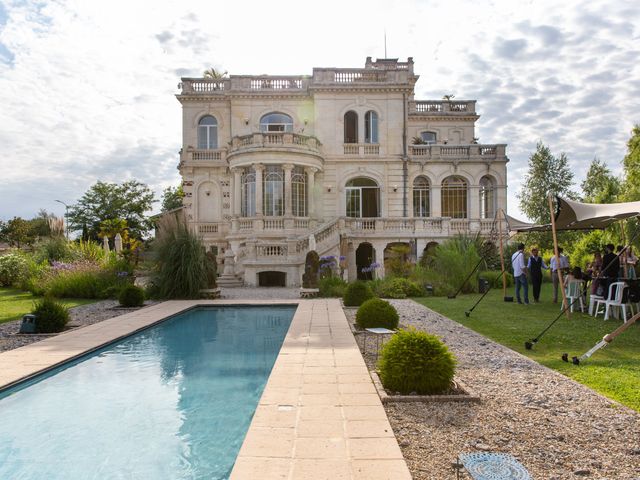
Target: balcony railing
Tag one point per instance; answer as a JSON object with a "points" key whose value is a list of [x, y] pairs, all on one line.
{"points": [[420, 107], [197, 156], [464, 152], [275, 140], [247, 83], [361, 149], [212, 228]]}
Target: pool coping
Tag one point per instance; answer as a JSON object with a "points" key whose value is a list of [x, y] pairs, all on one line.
{"points": [[319, 416]]}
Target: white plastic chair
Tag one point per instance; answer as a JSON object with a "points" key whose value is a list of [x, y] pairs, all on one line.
{"points": [[616, 301], [573, 291]]}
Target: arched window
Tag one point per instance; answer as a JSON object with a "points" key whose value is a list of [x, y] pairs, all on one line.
{"points": [[454, 197], [248, 204], [207, 133], [273, 188], [351, 127], [428, 137], [299, 192], [487, 198], [363, 198], [276, 122], [421, 197], [371, 127]]}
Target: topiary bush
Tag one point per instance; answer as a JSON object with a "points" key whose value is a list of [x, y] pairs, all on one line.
{"points": [[377, 313], [398, 288], [51, 316], [415, 361], [131, 296], [356, 293]]}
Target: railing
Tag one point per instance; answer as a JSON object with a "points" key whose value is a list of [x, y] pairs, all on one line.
{"points": [[361, 149], [486, 224], [472, 152], [360, 224], [217, 227], [398, 225], [459, 225], [432, 224], [203, 86], [359, 75], [271, 250], [442, 106], [276, 83], [273, 224], [301, 223], [275, 139], [199, 155], [245, 224]]}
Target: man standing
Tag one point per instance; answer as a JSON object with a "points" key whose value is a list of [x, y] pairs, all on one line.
{"points": [[520, 273], [610, 262], [536, 265], [564, 268]]}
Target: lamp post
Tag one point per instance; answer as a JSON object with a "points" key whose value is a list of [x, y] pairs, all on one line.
{"points": [[66, 219]]}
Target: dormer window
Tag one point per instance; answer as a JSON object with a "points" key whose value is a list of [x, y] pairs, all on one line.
{"points": [[428, 137], [276, 122]]}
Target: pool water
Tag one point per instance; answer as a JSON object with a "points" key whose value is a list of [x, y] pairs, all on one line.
{"points": [[171, 402]]}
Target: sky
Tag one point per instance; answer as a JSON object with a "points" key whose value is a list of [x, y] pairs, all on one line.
{"points": [[87, 87]]}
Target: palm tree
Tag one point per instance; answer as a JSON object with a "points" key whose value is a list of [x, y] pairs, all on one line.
{"points": [[213, 74], [448, 98]]}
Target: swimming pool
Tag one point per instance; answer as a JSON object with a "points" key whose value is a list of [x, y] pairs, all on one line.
{"points": [[171, 402]]}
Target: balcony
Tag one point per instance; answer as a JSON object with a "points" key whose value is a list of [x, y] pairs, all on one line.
{"points": [[472, 153], [442, 107], [243, 83], [280, 142], [193, 157], [415, 226], [361, 149]]}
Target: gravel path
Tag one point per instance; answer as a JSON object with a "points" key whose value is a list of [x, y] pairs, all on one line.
{"points": [[81, 316], [557, 428]]}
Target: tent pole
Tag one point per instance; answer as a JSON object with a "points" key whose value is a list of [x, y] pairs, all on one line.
{"points": [[557, 255], [504, 278]]}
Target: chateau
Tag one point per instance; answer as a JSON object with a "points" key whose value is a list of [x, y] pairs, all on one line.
{"points": [[345, 162]]}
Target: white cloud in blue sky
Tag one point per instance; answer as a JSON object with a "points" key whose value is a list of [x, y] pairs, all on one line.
{"points": [[87, 88]]}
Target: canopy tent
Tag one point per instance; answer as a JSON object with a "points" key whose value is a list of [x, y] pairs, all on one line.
{"points": [[572, 215]]}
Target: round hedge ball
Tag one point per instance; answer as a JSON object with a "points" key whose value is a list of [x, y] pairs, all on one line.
{"points": [[131, 296], [377, 313], [415, 361], [356, 293]]}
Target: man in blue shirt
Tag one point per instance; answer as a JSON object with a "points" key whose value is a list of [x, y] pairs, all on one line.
{"points": [[520, 273]]}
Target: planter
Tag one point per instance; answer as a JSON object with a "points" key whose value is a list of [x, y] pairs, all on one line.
{"points": [[210, 293], [464, 394]]}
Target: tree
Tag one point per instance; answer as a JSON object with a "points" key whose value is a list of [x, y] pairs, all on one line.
{"points": [[547, 175], [631, 167], [18, 232], [128, 201], [600, 185], [172, 198], [213, 74]]}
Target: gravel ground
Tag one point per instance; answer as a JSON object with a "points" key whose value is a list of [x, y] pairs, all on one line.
{"points": [[557, 428], [80, 316]]}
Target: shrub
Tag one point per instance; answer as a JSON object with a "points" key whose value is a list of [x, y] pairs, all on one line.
{"points": [[332, 287], [398, 288], [79, 284], [398, 263], [356, 293], [414, 361], [51, 316], [493, 276], [377, 313], [14, 268], [88, 250], [131, 296], [55, 249], [181, 263]]}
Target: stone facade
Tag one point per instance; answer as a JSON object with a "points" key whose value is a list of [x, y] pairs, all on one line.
{"points": [[345, 160]]}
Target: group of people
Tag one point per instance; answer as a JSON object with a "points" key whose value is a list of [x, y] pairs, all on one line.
{"points": [[606, 267]]}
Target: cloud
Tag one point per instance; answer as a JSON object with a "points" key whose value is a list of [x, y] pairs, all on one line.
{"points": [[510, 49]]}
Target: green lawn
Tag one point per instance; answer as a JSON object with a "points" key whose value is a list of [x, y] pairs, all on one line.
{"points": [[15, 303], [613, 371]]}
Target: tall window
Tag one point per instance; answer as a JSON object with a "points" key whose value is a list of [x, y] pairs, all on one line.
{"points": [[421, 197], [351, 127], [299, 192], [371, 127], [248, 204], [276, 122], [363, 198], [487, 198], [273, 188], [207, 133], [428, 137], [454, 197]]}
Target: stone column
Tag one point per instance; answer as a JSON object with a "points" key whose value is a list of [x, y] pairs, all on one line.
{"points": [[237, 192], [311, 187], [436, 201], [288, 203], [259, 168], [474, 202]]}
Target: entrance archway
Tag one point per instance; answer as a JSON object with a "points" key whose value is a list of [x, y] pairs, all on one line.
{"points": [[365, 256], [363, 198]]}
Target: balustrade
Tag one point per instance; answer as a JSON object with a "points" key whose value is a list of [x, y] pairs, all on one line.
{"points": [[472, 152], [361, 149]]}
